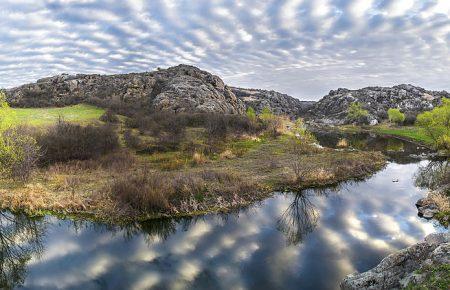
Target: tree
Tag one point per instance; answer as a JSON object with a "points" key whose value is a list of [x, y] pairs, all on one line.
{"points": [[436, 124], [6, 114], [266, 115], [395, 116], [356, 113], [251, 114], [19, 152]]}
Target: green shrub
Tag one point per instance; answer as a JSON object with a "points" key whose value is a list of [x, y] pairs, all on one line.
{"points": [[436, 124], [19, 153], [395, 116], [356, 113], [251, 114]]}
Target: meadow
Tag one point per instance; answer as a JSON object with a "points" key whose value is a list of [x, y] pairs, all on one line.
{"points": [[81, 113]]}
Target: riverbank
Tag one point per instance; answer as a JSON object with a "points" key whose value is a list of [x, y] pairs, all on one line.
{"points": [[424, 265], [408, 133], [110, 189]]}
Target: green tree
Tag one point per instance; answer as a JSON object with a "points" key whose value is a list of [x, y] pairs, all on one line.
{"points": [[251, 114], [395, 116], [436, 124], [266, 114], [6, 114], [19, 151], [356, 113]]}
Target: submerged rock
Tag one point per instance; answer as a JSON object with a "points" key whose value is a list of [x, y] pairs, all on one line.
{"points": [[406, 266]]}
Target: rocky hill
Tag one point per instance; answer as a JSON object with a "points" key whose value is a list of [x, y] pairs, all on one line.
{"points": [[279, 103], [181, 88], [409, 99]]}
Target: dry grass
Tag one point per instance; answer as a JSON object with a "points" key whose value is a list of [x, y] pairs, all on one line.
{"points": [[342, 143], [441, 200], [126, 186]]}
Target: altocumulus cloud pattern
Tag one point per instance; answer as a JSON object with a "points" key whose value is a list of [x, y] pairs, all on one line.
{"points": [[300, 47]]}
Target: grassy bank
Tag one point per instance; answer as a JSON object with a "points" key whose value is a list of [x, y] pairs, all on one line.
{"points": [[46, 116], [410, 133], [162, 164]]}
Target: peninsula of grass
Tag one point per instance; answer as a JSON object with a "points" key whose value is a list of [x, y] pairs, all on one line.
{"points": [[168, 165]]}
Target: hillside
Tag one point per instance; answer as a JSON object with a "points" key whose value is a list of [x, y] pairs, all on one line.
{"points": [[280, 104], [181, 88], [410, 99]]}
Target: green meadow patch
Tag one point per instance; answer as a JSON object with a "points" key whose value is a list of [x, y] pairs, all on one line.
{"points": [[80, 113]]}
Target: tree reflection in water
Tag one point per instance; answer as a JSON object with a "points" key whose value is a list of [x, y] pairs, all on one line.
{"points": [[433, 175], [299, 219], [20, 239]]}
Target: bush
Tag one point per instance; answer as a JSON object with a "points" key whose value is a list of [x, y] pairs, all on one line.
{"points": [[251, 115], [66, 141], [395, 116], [131, 140], [19, 154], [410, 118], [109, 117], [356, 113], [436, 124], [159, 192]]}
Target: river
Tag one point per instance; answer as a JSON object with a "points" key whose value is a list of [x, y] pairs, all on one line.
{"points": [[308, 240]]}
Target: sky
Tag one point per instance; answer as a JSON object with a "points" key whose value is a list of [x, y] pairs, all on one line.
{"points": [[300, 47]]}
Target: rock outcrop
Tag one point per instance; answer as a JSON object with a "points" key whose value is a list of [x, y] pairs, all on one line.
{"points": [[181, 88], [278, 103], [410, 265], [333, 108]]}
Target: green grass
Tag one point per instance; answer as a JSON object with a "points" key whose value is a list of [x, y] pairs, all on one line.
{"points": [[410, 132], [81, 113]]}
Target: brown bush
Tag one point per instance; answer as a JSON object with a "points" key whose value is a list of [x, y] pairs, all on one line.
{"points": [[132, 141], [66, 141], [109, 117], [159, 192]]}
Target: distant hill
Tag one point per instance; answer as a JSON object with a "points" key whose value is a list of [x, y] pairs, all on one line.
{"points": [[279, 103], [185, 88], [410, 99]]}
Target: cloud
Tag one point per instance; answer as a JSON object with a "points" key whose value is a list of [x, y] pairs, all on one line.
{"points": [[300, 47]]}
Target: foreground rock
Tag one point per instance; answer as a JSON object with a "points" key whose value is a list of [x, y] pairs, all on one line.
{"points": [[181, 88], [332, 109], [412, 265], [278, 103], [427, 208]]}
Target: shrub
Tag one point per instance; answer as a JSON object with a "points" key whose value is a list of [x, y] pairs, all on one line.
{"points": [[410, 118], [251, 115], [66, 141], [109, 117], [131, 140], [19, 154], [395, 116], [436, 124], [356, 113]]}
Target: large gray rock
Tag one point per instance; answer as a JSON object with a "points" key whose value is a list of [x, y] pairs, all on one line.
{"points": [[181, 88], [401, 268], [278, 103], [333, 108]]}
